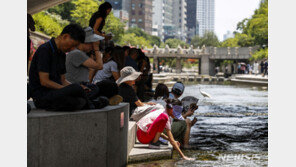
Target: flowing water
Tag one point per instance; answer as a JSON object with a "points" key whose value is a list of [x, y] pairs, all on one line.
{"points": [[231, 130]]}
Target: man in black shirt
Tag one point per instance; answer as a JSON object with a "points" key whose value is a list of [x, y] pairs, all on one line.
{"points": [[50, 89]]}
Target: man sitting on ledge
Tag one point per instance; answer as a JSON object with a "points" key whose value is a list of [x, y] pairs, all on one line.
{"points": [[50, 89]]}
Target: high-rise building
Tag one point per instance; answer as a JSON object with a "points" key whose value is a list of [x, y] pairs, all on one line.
{"points": [[123, 16], [162, 16], [228, 35], [121, 10], [205, 15], [120, 4], [191, 19], [140, 15], [179, 18]]}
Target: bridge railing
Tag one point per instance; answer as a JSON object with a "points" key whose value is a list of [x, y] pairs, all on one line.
{"points": [[212, 52]]}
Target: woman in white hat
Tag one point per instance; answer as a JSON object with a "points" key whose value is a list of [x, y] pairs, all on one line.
{"points": [[126, 84]]}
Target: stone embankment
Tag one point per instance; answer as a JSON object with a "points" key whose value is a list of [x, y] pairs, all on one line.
{"points": [[171, 78]]}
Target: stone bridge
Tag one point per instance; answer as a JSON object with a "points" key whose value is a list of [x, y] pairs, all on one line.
{"points": [[206, 55]]}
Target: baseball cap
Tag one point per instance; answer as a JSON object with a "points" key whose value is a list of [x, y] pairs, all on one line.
{"points": [[178, 88]]}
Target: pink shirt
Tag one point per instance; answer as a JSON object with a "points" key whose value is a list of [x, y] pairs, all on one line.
{"points": [[148, 119]]}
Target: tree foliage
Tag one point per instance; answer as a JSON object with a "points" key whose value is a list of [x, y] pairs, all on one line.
{"points": [[153, 40], [230, 42], [83, 11], [209, 39], [51, 25], [134, 40], [260, 54], [115, 26], [173, 43], [253, 31], [64, 10]]}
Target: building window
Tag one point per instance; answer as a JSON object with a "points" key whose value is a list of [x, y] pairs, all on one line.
{"points": [[140, 20], [133, 12], [140, 12], [133, 20], [133, 6]]}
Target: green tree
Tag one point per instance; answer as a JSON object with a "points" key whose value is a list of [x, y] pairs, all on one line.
{"points": [[83, 11], [209, 39], [115, 26], [137, 31], [256, 28], [173, 43], [230, 42], [244, 40], [48, 24], [134, 40], [241, 26], [260, 54], [64, 10], [154, 40]]}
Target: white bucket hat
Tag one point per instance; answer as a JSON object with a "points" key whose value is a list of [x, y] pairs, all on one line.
{"points": [[90, 36], [128, 74]]}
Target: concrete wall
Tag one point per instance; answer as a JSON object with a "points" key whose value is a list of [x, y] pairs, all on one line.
{"points": [[88, 138]]}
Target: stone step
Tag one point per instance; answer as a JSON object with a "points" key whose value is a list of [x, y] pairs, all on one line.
{"points": [[161, 80], [250, 81], [252, 78], [142, 153], [131, 140]]}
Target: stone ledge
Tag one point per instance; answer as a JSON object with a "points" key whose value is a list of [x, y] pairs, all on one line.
{"points": [[142, 153], [43, 113]]}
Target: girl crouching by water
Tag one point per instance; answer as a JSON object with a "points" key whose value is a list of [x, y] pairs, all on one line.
{"points": [[151, 126]]}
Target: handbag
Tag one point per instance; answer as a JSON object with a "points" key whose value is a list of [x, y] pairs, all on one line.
{"points": [[142, 111]]}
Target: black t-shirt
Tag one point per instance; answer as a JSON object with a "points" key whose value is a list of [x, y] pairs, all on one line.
{"points": [[93, 19], [49, 59], [129, 95]]}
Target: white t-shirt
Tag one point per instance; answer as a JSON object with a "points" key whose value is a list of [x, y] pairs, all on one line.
{"points": [[106, 72], [148, 119]]}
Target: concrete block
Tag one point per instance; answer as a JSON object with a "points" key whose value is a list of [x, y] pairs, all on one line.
{"points": [[132, 129], [221, 79], [76, 140], [214, 79], [73, 139], [206, 79], [33, 132], [191, 79], [198, 79], [117, 137]]}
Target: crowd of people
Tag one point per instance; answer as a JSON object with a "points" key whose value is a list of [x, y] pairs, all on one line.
{"points": [[243, 68], [83, 69]]}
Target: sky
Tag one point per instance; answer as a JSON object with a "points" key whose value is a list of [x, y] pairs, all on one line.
{"points": [[230, 12]]}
